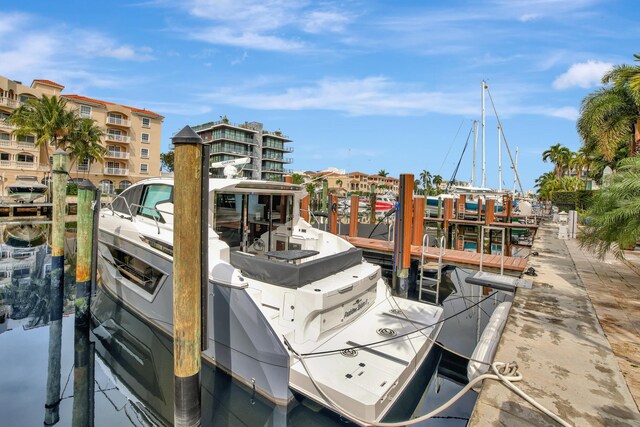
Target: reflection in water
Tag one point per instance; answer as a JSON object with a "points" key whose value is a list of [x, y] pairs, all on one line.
{"points": [[133, 383]]}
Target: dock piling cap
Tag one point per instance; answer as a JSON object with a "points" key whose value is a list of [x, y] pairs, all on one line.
{"points": [[86, 185], [186, 136]]}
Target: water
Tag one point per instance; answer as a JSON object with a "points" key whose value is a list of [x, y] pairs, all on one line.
{"points": [[132, 364]]}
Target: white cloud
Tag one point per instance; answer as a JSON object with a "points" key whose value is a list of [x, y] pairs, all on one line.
{"points": [[584, 75], [367, 96], [569, 113], [248, 40], [529, 17], [319, 21]]}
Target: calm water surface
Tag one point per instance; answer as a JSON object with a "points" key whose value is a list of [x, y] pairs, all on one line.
{"points": [[132, 363]]}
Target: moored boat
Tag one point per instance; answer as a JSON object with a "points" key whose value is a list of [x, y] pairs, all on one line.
{"points": [[26, 189], [279, 292]]}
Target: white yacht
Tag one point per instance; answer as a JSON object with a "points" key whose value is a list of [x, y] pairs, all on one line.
{"points": [[26, 189], [278, 289]]}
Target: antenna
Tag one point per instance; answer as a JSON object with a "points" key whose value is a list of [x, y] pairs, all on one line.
{"points": [[230, 170]]}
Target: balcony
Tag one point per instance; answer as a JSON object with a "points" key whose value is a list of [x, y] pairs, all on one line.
{"points": [[117, 121], [117, 155], [279, 147], [275, 169], [5, 164], [4, 123], [117, 138], [4, 101], [228, 150], [25, 165], [5, 143], [116, 171], [277, 158], [23, 145]]}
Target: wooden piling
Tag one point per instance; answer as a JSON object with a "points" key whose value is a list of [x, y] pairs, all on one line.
{"points": [[402, 243], [59, 190], [86, 199], [489, 215], [418, 221], [353, 215], [304, 208], [372, 204], [461, 206], [325, 193], [447, 216], [333, 213], [187, 277]]}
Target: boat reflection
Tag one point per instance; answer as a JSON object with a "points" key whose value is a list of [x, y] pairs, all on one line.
{"points": [[138, 359]]}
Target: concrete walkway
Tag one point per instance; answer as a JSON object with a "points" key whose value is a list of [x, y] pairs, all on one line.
{"points": [[567, 362]]}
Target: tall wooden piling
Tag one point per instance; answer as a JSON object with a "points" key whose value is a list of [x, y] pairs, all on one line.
{"points": [[304, 208], [353, 215], [418, 221], [447, 216], [489, 215], [332, 213], [86, 199], [402, 243], [462, 206], [372, 204], [57, 286], [187, 277], [325, 193]]}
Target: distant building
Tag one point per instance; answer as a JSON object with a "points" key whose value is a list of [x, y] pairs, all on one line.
{"points": [[132, 138], [267, 150], [351, 182]]}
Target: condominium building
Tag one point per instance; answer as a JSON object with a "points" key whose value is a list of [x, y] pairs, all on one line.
{"points": [[132, 138], [266, 150], [351, 182]]}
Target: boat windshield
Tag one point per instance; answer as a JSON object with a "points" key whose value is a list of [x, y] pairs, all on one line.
{"points": [[250, 221]]}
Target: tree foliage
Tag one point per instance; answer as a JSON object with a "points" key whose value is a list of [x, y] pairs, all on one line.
{"points": [[613, 221], [166, 159]]}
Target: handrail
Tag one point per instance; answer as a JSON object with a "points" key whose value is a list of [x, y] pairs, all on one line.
{"points": [[425, 238], [392, 226], [154, 218], [125, 203], [502, 230]]}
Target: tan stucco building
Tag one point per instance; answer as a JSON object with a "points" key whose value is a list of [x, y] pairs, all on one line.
{"points": [[132, 138]]}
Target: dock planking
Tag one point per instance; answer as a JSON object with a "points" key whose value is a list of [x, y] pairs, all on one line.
{"points": [[512, 265]]}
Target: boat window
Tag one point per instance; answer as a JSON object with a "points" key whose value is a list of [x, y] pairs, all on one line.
{"points": [[152, 196], [128, 197], [135, 270]]}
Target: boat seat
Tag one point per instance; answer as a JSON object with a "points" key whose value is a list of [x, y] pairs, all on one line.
{"points": [[294, 275]]}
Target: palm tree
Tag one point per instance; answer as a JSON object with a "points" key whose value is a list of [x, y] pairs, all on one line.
{"points": [[614, 217], [84, 142], [416, 186], [296, 178], [559, 156], [547, 184], [383, 172], [49, 119], [425, 177], [632, 74], [436, 181]]}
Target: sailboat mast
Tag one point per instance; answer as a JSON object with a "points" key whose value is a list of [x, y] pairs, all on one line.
{"points": [[475, 151], [484, 175], [499, 161], [514, 171]]}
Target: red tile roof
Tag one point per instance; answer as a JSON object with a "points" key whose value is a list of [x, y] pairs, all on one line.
{"points": [[98, 101], [48, 82]]}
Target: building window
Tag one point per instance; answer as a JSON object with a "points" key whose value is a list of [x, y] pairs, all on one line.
{"points": [[144, 168], [144, 153], [106, 186], [5, 136], [27, 138], [144, 137], [83, 165], [124, 184], [146, 122], [24, 157], [85, 111]]}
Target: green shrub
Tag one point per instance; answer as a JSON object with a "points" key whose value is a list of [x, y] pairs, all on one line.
{"points": [[72, 189], [573, 200]]}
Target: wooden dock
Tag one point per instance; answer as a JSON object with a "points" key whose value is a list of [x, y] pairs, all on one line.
{"points": [[512, 265]]}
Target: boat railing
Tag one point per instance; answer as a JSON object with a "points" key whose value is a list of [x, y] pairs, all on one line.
{"points": [[391, 231], [502, 233], [117, 196], [152, 216]]}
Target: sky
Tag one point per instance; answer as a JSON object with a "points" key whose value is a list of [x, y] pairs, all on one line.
{"points": [[357, 85]]}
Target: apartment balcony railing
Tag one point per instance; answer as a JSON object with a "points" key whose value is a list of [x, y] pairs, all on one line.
{"points": [[279, 147], [277, 158], [117, 155], [26, 145], [116, 171], [5, 143], [117, 138], [5, 163], [226, 150], [275, 134], [118, 121], [275, 169], [232, 138], [4, 123], [25, 165], [9, 102]]}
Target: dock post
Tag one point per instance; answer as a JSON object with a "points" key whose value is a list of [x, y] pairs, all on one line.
{"points": [[86, 200], [304, 208], [447, 216], [402, 244], [325, 193], [59, 196], [187, 277], [418, 220], [353, 215], [332, 213], [462, 206], [372, 204]]}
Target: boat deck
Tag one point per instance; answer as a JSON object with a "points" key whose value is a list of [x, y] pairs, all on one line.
{"points": [[512, 265]]}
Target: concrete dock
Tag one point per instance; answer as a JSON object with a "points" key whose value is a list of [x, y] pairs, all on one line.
{"points": [[554, 332]]}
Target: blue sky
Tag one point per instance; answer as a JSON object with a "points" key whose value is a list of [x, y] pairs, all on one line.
{"points": [[360, 85]]}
